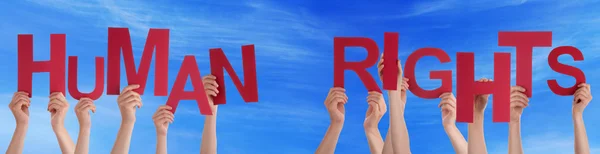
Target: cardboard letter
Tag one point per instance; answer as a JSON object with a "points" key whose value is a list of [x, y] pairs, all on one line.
{"points": [[565, 69], [118, 38], [55, 66], [467, 88]]}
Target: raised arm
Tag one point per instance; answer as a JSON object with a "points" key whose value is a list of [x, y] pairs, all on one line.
{"points": [[518, 101], [376, 110], [58, 107], [476, 140], [128, 101], [162, 118], [19, 106], [82, 110], [209, 134], [397, 136], [448, 106], [335, 101], [581, 99]]}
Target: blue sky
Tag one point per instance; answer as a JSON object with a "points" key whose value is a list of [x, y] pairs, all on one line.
{"points": [[294, 53]]}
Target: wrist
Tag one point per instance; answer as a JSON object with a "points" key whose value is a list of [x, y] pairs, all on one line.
{"points": [[577, 116], [336, 125], [448, 126]]}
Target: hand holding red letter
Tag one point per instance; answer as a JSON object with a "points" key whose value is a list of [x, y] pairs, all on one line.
{"points": [[335, 101], [128, 101]]}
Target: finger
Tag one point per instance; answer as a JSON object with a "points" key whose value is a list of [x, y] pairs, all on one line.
{"points": [[166, 120], [210, 82], [127, 95], [82, 104], [89, 107], [211, 88], [517, 89], [19, 104], [447, 94], [130, 88], [210, 77], [163, 113], [447, 102], [518, 95], [339, 98]]}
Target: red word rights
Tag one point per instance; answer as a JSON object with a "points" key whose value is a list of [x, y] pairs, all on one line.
{"points": [[466, 87], [119, 43]]}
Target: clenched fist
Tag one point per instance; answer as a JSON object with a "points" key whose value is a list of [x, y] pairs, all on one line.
{"points": [[335, 101], [581, 98], [376, 110], [128, 101], [82, 110], [448, 107], [58, 107], [162, 118], [518, 101], [19, 106]]}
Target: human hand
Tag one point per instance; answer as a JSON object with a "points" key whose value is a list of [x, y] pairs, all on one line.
{"points": [[162, 118], [19, 106], [210, 88], [448, 107], [335, 101], [128, 100], [380, 71], [581, 98], [376, 110], [481, 100], [518, 101], [58, 107], [82, 110]]}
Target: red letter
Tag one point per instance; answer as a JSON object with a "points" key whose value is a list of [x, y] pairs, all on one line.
{"points": [[55, 66], [340, 64], [524, 42], [445, 76], [218, 62], [390, 53], [189, 67], [565, 69], [466, 89], [118, 38], [99, 87]]}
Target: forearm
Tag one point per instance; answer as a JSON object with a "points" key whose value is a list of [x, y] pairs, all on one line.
{"points": [[457, 139], [400, 144], [375, 140], [581, 140], [18, 139], [514, 138], [209, 136], [330, 140], [83, 140], [476, 142], [161, 144], [387, 145], [123, 138], [64, 140]]}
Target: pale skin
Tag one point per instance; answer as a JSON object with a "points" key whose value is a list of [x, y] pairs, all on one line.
{"points": [[82, 110], [128, 101], [518, 101], [335, 101], [581, 98], [375, 112], [162, 118], [476, 141], [397, 140], [19, 106], [58, 107], [209, 134], [448, 108]]}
